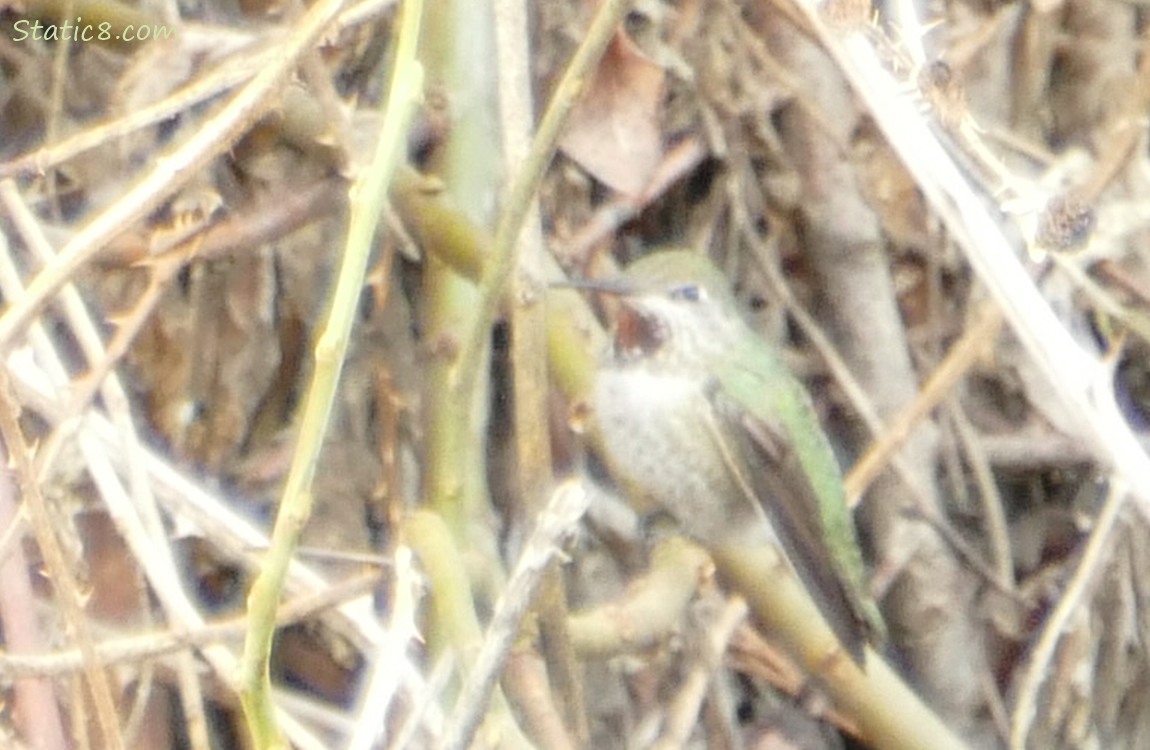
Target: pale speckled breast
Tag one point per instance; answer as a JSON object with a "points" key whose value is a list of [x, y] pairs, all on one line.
{"points": [[658, 448]]}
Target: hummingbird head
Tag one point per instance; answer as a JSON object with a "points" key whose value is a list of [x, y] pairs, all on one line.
{"points": [[677, 311]]}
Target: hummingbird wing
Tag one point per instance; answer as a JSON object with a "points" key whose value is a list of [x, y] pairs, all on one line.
{"points": [[791, 473]]}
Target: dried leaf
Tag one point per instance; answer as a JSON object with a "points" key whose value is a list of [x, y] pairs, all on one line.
{"points": [[614, 130]]}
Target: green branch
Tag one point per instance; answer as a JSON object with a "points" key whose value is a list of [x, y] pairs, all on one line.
{"points": [[578, 72], [367, 200]]}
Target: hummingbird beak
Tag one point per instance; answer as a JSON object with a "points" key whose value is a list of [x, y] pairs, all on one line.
{"points": [[616, 286], [636, 334]]}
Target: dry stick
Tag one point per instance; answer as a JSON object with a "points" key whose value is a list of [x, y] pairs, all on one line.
{"points": [[527, 310], [45, 393], [1117, 148], [11, 285], [171, 170], [157, 562], [1120, 277], [270, 218], [333, 115], [35, 711], [719, 719], [79, 723], [163, 575], [516, 208], [781, 73], [958, 360], [1094, 556], [227, 75], [993, 507], [425, 711], [139, 647], [154, 557], [234, 534], [393, 649], [12, 533], [1078, 376], [527, 687], [145, 683], [753, 654], [128, 326], [64, 582], [1034, 447], [1101, 299], [87, 335], [567, 505], [382, 680], [683, 708], [980, 335], [116, 400]]}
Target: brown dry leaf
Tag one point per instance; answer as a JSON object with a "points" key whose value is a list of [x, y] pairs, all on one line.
{"points": [[614, 130]]}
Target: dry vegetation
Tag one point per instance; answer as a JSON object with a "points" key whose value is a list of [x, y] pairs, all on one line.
{"points": [[171, 214]]}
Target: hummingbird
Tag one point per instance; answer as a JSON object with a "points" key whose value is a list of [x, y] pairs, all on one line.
{"points": [[699, 417]]}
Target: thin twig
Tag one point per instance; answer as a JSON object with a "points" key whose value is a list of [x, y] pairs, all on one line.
{"points": [[35, 710], [59, 568], [965, 352], [170, 171], [384, 678], [567, 505], [993, 507], [233, 534], [683, 707], [152, 549], [143, 646], [1078, 376], [228, 74], [530, 381], [1094, 557]]}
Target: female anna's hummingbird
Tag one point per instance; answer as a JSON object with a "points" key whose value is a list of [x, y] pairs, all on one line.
{"points": [[698, 416]]}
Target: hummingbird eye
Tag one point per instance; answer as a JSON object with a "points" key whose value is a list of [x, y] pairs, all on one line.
{"points": [[688, 292]]}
